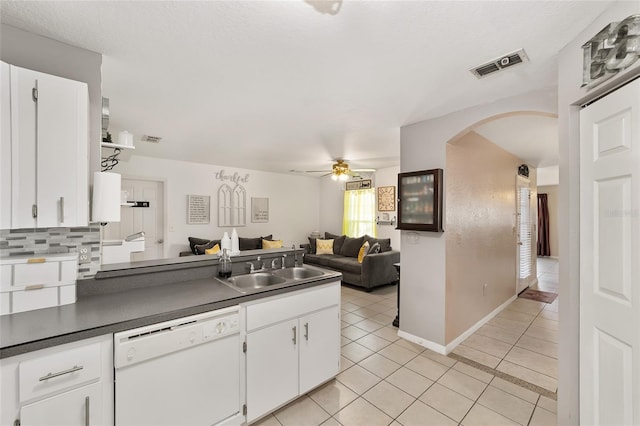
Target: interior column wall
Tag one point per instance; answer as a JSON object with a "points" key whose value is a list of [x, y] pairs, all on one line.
{"points": [[423, 277]]}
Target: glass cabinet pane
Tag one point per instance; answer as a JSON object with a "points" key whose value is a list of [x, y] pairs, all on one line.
{"points": [[420, 203]]}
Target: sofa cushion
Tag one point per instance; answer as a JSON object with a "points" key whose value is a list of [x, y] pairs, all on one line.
{"points": [[324, 246], [343, 263], [267, 244], [337, 241], [249, 243], [202, 248], [375, 248], [312, 245], [364, 250], [194, 241], [385, 243], [351, 246], [213, 250], [318, 259]]}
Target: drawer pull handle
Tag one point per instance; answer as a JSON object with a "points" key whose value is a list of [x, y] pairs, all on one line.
{"points": [[295, 332], [61, 373], [36, 260], [34, 287], [306, 331]]}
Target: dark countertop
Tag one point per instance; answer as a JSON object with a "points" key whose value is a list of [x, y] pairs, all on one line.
{"points": [[101, 314]]}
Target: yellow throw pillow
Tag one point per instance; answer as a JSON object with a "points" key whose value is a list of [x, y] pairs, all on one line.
{"points": [[324, 246], [213, 250], [364, 250], [266, 244]]}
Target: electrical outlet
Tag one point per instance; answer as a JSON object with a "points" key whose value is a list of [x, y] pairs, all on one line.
{"points": [[84, 255]]}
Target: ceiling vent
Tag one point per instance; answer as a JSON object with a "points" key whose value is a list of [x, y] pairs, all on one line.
{"points": [[501, 63], [151, 139]]}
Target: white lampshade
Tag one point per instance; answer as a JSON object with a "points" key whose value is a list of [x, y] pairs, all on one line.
{"points": [[106, 197]]}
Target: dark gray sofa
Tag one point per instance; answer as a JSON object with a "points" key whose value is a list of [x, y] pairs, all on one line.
{"points": [[375, 270]]}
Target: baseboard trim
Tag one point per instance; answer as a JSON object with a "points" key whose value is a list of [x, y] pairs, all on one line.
{"points": [[436, 347], [455, 342], [446, 350]]}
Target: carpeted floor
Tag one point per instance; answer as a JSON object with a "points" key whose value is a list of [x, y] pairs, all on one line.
{"points": [[540, 296]]}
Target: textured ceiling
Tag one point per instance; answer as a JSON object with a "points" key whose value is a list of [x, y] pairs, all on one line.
{"points": [[293, 84]]}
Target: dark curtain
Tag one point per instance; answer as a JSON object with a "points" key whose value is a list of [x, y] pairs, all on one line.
{"points": [[544, 249]]}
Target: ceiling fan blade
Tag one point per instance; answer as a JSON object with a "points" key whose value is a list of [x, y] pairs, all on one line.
{"points": [[317, 171], [364, 170]]}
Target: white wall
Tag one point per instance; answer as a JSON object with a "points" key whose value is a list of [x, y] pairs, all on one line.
{"points": [[570, 96], [548, 176], [389, 177], [294, 205], [423, 146], [28, 50], [331, 206]]}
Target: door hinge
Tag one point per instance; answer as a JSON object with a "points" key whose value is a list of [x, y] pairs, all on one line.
{"points": [[34, 211], [34, 94], [244, 409], [244, 347]]}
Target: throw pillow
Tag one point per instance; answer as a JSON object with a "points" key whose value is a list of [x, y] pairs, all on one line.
{"points": [[364, 250], [266, 244], [375, 248], [337, 241], [324, 246], [249, 243], [193, 242], [213, 250], [351, 246], [385, 243], [312, 245], [201, 248]]}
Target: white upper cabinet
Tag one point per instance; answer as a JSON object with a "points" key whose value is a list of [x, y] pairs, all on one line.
{"points": [[49, 150]]}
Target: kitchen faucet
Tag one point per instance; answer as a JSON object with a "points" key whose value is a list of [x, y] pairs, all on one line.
{"points": [[282, 262], [252, 267]]}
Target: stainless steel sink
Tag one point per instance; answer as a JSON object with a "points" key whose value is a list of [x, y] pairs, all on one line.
{"points": [[298, 273], [255, 281]]}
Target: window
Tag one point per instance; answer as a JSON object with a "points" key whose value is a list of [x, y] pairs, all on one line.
{"points": [[359, 213]]}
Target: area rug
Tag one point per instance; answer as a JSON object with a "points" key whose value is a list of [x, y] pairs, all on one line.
{"points": [[540, 296]]}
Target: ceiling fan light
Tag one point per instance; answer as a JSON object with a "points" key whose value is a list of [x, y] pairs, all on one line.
{"points": [[344, 177], [334, 176]]}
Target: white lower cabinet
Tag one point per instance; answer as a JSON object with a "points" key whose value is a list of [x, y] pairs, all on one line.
{"points": [[79, 407], [70, 384], [293, 345]]}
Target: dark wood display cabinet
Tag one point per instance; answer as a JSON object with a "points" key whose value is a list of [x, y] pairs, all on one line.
{"points": [[420, 200]]}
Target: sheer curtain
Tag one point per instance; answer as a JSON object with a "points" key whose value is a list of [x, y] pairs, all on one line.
{"points": [[359, 213]]}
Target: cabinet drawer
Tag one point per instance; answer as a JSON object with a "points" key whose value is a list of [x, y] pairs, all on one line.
{"points": [[59, 371], [281, 308], [44, 273]]}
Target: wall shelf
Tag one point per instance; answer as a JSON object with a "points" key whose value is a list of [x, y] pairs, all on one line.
{"points": [[109, 161]]}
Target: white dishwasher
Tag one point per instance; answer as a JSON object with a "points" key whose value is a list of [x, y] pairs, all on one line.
{"points": [[180, 372]]}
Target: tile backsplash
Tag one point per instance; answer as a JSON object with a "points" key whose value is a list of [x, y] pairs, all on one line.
{"points": [[17, 242]]}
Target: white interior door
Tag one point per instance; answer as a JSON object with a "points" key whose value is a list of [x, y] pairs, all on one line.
{"points": [[524, 233], [609, 259], [148, 219]]}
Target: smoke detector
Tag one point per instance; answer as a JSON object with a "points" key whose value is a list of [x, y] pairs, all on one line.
{"points": [[151, 139], [501, 63]]}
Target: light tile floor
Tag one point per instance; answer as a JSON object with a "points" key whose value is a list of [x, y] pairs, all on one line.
{"points": [[522, 340], [386, 380]]}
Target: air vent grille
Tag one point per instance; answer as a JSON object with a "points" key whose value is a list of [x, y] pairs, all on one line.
{"points": [[151, 139], [501, 63]]}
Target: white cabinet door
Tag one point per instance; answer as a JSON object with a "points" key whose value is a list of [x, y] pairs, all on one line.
{"points": [[49, 150], [319, 348], [272, 367], [23, 147], [62, 166], [81, 407], [5, 146]]}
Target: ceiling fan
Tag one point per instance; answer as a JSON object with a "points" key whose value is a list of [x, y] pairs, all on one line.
{"points": [[340, 170]]}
